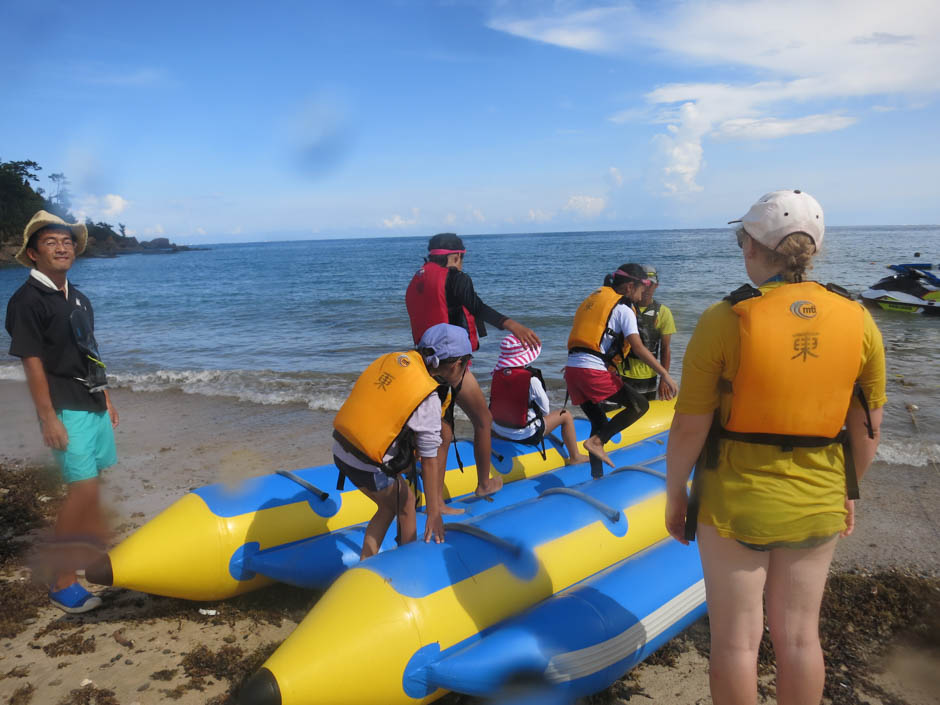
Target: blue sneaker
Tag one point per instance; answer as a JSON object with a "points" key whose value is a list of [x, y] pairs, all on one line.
{"points": [[74, 599]]}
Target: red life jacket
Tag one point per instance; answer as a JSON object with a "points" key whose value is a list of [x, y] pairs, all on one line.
{"points": [[509, 396], [427, 303]]}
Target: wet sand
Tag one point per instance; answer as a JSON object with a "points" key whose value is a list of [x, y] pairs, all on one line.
{"points": [[147, 649]]}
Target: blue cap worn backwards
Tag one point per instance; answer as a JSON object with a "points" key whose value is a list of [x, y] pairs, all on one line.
{"points": [[444, 342]]}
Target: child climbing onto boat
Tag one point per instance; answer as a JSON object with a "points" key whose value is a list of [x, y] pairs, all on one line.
{"points": [[519, 403], [399, 408], [605, 329]]}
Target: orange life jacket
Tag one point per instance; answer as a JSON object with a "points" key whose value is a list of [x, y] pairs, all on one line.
{"points": [[380, 404], [801, 347], [591, 324]]}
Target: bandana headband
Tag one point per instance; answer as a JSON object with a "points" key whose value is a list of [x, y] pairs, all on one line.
{"points": [[644, 282], [446, 252]]}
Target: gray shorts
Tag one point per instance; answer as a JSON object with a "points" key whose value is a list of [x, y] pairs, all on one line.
{"points": [[364, 479]]}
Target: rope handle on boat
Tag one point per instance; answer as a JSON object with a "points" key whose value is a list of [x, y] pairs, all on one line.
{"points": [[609, 512], [640, 468], [483, 534], [323, 496]]}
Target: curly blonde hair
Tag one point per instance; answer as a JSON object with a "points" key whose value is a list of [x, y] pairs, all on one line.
{"points": [[793, 256]]}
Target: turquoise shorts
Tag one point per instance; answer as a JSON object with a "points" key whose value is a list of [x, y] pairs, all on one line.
{"points": [[91, 444]]}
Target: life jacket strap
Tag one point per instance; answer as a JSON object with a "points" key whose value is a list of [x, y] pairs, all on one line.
{"points": [[786, 442], [836, 289], [743, 293]]}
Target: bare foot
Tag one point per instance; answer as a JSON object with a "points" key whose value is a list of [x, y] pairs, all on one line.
{"points": [[447, 509], [575, 459], [493, 485], [594, 446]]}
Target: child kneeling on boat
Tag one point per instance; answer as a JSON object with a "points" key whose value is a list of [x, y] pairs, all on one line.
{"points": [[519, 403], [401, 408]]}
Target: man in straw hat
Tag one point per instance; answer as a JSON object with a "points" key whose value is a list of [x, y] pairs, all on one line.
{"points": [[51, 325]]}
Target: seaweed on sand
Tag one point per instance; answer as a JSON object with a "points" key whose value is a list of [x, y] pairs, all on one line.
{"points": [[19, 605], [22, 695], [89, 694], [30, 498], [229, 663]]}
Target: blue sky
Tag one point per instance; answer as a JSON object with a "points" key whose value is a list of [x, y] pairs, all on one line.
{"points": [[236, 121]]}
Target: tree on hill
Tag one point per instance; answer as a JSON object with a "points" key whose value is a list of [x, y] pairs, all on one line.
{"points": [[18, 199]]}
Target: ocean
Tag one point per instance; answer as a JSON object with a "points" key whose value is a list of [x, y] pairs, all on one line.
{"points": [[295, 322]]}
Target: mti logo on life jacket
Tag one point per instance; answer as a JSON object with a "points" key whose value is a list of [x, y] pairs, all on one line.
{"points": [[404, 361], [803, 309]]}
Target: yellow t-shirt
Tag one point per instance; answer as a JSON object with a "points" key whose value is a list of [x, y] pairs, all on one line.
{"points": [[760, 494], [666, 325]]}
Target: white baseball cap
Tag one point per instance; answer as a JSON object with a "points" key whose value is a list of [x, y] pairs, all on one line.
{"points": [[783, 213]]}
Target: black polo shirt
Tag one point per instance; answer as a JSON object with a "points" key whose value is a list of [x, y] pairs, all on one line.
{"points": [[38, 323]]}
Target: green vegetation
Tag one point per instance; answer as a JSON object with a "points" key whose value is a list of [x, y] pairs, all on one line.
{"points": [[21, 196]]}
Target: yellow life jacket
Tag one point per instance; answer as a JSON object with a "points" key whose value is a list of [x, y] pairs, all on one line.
{"points": [[380, 404], [801, 346], [591, 323]]}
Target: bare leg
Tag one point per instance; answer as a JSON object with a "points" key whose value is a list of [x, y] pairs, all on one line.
{"points": [[79, 518], [473, 403], [734, 587], [447, 436], [795, 584], [566, 421], [595, 447], [390, 501]]}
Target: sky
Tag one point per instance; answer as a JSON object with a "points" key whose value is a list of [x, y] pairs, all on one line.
{"points": [[233, 121]]}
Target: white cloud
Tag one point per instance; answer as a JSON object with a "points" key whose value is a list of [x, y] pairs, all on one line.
{"points": [[450, 219], [200, 231], [100, 207], [771, 128], [397, 221], [112, 204], [837, 49], [537, 215], [476, 215], [156, 230], [586, 206]]}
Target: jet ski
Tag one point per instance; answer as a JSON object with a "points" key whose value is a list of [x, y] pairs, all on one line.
{"points": [[912, 289]]}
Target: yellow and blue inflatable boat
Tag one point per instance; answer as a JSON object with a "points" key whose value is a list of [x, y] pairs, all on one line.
{"points": [[573, 586], [199, 548]]}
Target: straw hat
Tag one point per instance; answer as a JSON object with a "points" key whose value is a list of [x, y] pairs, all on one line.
{"points": [[43, 219]]}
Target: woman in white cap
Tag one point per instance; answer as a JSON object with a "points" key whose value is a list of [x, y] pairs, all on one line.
{"points": [[782, 388], [519, 403]]}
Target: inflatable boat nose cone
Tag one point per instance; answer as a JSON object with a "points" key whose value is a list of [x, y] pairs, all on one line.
{"points": [[261, 689], [100, 572]]}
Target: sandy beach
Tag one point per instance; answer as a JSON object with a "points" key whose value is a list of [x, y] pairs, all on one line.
{"points": [[144, 649]]}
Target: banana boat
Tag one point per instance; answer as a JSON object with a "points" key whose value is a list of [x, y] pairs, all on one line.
{"points": [[386, 629], [198, 547]]}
